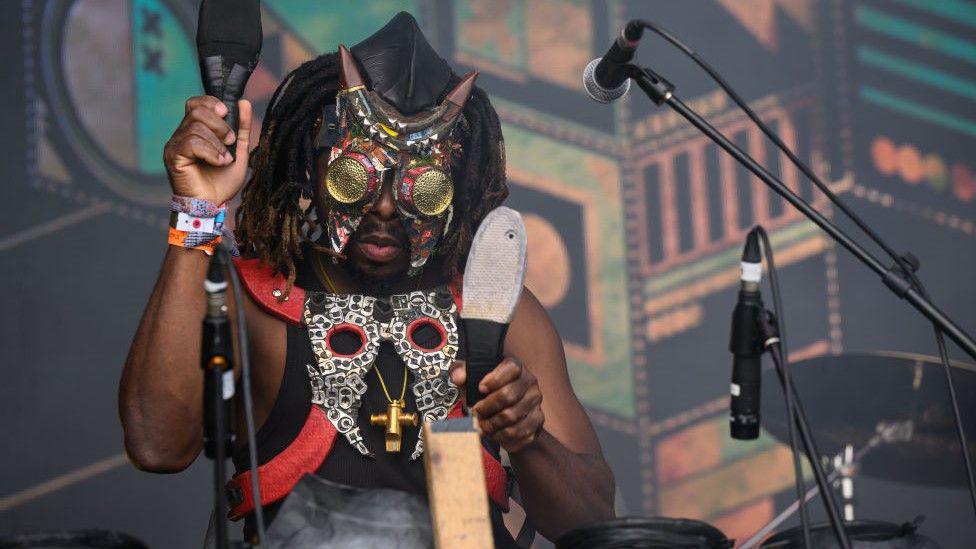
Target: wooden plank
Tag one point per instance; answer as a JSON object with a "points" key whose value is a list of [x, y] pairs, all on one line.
{"points": [[456, 485]]}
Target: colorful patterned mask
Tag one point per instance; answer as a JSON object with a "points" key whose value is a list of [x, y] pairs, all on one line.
{"points": [[378, 143]]}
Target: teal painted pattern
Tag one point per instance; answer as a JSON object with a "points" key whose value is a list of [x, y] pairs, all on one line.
{"points": [[918, 111], [956, 11], [322, 26], [919, 35], [164, 76], [918, 72]]}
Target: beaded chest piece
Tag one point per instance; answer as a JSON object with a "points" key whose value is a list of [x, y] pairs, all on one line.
{"points": [[339, 379]]}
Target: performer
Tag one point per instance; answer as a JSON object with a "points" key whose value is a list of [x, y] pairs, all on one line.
{"points": [[373, 169]]}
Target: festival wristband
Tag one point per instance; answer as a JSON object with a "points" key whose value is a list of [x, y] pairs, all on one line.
{"points": [[195, 223]]}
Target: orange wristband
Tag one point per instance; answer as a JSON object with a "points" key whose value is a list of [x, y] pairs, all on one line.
{"points": [[179, 238]]}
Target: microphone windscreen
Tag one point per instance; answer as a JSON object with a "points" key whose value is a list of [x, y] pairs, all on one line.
{"points": [[232, 29]]}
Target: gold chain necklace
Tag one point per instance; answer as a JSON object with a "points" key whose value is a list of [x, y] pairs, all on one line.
{"points": [[395, 417]]}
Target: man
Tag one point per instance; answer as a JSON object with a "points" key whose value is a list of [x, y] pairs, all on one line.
{"points": [[354, 221]]}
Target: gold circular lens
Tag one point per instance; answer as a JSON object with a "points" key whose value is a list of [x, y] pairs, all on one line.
{"points": [[347, 180], [432, 192]]}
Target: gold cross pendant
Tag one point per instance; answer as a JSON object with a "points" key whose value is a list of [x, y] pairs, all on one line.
{"points": [[393, 419]]}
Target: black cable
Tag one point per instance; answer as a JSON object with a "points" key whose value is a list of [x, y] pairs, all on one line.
{"points": [[246, 389], [906, 266], [780, 356], [944, 358]]}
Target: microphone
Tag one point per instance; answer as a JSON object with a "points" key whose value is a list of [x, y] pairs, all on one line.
{"points": [[216, 355], [606, 78], [746, 346], [228, 44]]}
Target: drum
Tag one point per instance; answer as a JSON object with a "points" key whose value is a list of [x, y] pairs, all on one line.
{"points": [[90, 539], [645, 533], [864, 534]]}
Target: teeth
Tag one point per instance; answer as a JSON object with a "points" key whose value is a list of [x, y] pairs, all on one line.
{"points": [[360, 113], [433, 137], [401, 125], [372, 131], [410, 143]]}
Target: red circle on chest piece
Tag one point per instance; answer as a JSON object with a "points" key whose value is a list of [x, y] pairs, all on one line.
{"points": [[350, 329], [420, 323]]}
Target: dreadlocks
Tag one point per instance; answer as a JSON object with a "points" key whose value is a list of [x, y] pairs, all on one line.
{"points": [[270, 220]]}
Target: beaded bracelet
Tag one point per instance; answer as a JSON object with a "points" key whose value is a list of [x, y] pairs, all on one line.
{"points": [[195, 223]]}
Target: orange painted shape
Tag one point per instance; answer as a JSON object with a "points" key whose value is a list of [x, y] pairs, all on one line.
{"points": [[695, 449], [910, 164], [731, 486], [885, 155]]}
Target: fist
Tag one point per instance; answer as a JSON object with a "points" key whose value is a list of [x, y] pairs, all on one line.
{"points": [[196, 157], [511, 411]]}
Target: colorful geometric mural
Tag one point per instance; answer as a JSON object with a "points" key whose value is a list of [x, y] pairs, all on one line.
{"points": [[635, 220], [595, 328], [518, 38]]}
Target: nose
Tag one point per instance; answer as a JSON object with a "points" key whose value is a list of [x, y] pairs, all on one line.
{"points": [[385, 206]]}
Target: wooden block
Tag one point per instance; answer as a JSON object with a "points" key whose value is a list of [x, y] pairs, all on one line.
{"points": [[456, 485]]}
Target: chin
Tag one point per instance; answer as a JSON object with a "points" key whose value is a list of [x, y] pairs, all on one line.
{"points": [[380, 273]]}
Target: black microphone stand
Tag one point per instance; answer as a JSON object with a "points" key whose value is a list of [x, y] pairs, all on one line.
{"points": [[218, 389], [661, 91], [216, 353]]}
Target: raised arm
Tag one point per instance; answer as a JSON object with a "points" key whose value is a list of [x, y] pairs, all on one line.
{"points": [[160, 394]]}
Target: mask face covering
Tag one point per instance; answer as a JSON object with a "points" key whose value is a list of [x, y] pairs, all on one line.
{"points": [[380, 144]]}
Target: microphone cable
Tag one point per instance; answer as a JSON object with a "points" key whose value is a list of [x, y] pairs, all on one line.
{"points": [[907, 264], [780, 354], [246, 389]]}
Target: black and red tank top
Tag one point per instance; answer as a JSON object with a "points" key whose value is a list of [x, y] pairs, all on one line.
{"points": [[296, 438]]}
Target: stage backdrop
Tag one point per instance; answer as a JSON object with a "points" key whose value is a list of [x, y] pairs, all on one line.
{"points": [[635, 224]]}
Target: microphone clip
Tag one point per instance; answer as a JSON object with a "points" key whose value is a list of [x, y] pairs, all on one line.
{"points": [[657, 88], [768, 329]]}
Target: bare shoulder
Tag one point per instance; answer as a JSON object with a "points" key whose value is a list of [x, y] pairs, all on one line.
{"points": [[266, 334], [532, 337]]}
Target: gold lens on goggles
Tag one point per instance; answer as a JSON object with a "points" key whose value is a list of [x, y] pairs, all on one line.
{"points": [[347, 180], [432, 192]]}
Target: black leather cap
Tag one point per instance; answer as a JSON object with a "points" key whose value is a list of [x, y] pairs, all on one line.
{"points": [[402, 66]]}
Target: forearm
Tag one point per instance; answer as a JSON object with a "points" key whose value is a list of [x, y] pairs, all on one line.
{"points": [[160, 401], [562, 489]]}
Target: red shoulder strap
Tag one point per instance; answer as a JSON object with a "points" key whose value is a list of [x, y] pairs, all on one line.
{"points": [[265, 286], [277, 477]]}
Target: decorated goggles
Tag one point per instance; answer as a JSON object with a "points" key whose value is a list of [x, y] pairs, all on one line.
{"points": [[357, 169], [378, 143]]}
